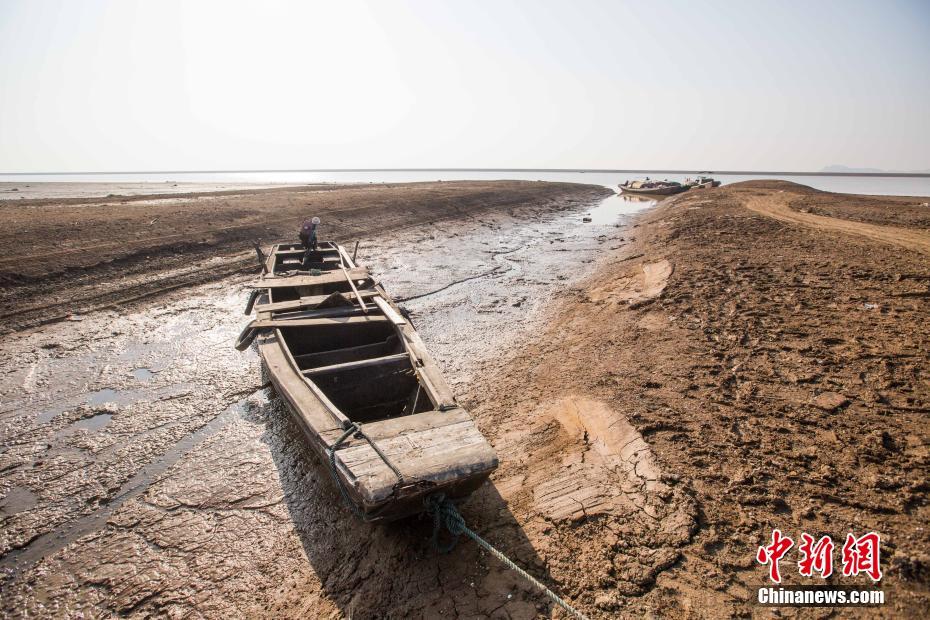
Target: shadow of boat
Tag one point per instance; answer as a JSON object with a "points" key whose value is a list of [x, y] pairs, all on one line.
{"points": [[393, 570]]}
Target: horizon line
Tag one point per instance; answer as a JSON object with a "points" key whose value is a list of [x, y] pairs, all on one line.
{"points": [[575, 170]]}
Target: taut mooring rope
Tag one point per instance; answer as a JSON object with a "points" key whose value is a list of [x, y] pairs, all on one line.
{"points": [[445, 513]]}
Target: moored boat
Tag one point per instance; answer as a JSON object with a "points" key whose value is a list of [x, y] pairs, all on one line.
{"points": [[702, 182], [359, 381], [649, 187]]}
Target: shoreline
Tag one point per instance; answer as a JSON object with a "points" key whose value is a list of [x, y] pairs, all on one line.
{"points": [[583, 170]]}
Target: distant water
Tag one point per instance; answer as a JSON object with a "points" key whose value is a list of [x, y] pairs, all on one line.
{"points": [[147, 183]]}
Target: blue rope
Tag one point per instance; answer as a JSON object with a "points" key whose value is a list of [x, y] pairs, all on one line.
{"points": [[445, 513]]}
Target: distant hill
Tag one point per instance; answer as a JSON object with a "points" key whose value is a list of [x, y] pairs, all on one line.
{"points": [[837, 168]]}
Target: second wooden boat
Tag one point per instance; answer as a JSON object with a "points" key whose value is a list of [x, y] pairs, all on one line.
{"points": [[702, 183], [652, 188], [360, 383]]}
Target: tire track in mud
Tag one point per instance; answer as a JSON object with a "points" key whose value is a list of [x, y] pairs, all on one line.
{"points": [[777, 207]]}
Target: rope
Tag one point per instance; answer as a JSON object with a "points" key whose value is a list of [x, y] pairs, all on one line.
{"points": [[445, 513], [335, 472], [356, 429]]}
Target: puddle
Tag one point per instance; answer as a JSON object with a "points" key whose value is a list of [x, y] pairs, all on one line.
{"points": [[93, 423], [17, 500], [613, 209], [102, 396], [144, 375]]}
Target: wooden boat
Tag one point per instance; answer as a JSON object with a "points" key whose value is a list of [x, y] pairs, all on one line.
{"points": [[360, 383], [702, 183], [652, 188]]}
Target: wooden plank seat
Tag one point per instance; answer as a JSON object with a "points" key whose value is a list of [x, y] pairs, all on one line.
{"points": [[374, 361], [309, 302], [347, 354], [301, 252], [370, 318], [333, 277], [319, 313]]}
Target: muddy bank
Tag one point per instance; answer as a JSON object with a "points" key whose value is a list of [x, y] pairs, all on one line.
{"points": [[71, 256], [775, 367]]}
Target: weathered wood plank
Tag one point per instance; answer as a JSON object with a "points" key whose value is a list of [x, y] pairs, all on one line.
{"points": [[337, 356], [323, 278], [435, 455], [310, 410], [336, 320], [429, 372], [307, 302], [373, 361], [389, 312], [392, 427], [301, 252]]}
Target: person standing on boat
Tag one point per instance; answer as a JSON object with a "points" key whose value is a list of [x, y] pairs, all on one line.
{"points": [[308, 233], [308, 238]]}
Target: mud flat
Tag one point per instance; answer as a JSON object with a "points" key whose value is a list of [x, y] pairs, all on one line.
{"points": [[66, 256], [145, 469]]}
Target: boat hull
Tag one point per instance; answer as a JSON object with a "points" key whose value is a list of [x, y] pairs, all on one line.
{"points": [[655, 191], [400, 455]]}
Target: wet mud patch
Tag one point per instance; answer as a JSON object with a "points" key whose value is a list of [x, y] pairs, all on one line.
{"points": [[166, 481], [17, 499], [462, 284], [80, 432]]}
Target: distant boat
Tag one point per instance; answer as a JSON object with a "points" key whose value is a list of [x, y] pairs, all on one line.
{"points": [[702, 182], [649, 187]]}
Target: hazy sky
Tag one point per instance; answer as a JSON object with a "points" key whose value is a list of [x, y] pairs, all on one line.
{"points": [[162, 85]]}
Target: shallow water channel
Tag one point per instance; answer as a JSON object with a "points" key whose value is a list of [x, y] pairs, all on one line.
{"points": [[115, 425]]}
